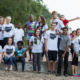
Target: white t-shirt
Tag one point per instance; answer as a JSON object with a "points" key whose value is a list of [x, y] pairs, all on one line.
{"points": [[38, 25], [1, 49], [1, 29], [44, 27], [76, 44], [18, 35], [59, 24], [52, 40], [9, 49], [37, 44], [8, 30]]}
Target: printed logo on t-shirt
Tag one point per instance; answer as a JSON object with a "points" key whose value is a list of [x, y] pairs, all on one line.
{"points": [[52, 36], [9, 51], [36, 41], [8, 29], [0, 29], [56, 23]]}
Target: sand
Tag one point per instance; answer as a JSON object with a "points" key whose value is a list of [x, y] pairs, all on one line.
{"points": [[13, 75]]}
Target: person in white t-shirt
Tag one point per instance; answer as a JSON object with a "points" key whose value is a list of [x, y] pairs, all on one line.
{"points": [[1, 30], [18, 34], [1, 54], [76, 48], [59, 24], [51, 39], [8, 29], [9, 50], [39, 24], [43, 25], [37, 49]]}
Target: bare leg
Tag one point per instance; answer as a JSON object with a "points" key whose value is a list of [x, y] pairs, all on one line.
{"points": [[73, 69], [49, 65], [76, 69], [30, 53], [54, 65]]}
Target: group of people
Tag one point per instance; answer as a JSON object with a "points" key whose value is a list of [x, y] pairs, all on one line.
{"points": [[54, 43]]}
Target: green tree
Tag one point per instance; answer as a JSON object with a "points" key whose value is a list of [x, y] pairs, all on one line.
{"points": [[20, 10]]}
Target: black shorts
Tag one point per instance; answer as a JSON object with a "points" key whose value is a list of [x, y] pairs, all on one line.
{"points": [[75, 60], [52, 55]]}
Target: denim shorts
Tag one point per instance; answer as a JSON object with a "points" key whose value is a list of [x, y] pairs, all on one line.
{"points": [[28, 37]]}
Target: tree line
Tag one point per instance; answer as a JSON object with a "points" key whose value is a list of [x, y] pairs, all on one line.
{"points": [[20, 10]]}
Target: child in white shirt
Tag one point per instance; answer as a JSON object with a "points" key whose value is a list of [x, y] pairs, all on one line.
{"points": [[8, 30], [18, 34], [76, 48], [37, 49]]}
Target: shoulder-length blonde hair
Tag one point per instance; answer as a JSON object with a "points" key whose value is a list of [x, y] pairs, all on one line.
{"points": [[8, 17]]}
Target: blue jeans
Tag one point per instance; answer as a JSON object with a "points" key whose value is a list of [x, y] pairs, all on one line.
{"points": [[28, 37], [22, 60], [8, 60]]}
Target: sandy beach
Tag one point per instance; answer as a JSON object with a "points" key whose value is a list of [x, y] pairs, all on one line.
{"points": [[31, 76], [13, 75]]}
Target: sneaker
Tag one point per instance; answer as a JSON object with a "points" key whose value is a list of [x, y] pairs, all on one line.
{"points": [[78, 75], [23, 71], [34, 71], [39, 72], [65, 75], [6, 69], [11, 68], [49, 72], [58, 74], [53, 72], [75, 75]]}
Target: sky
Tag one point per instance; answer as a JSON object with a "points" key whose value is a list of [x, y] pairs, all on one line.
{"points": [[69, 8]]}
